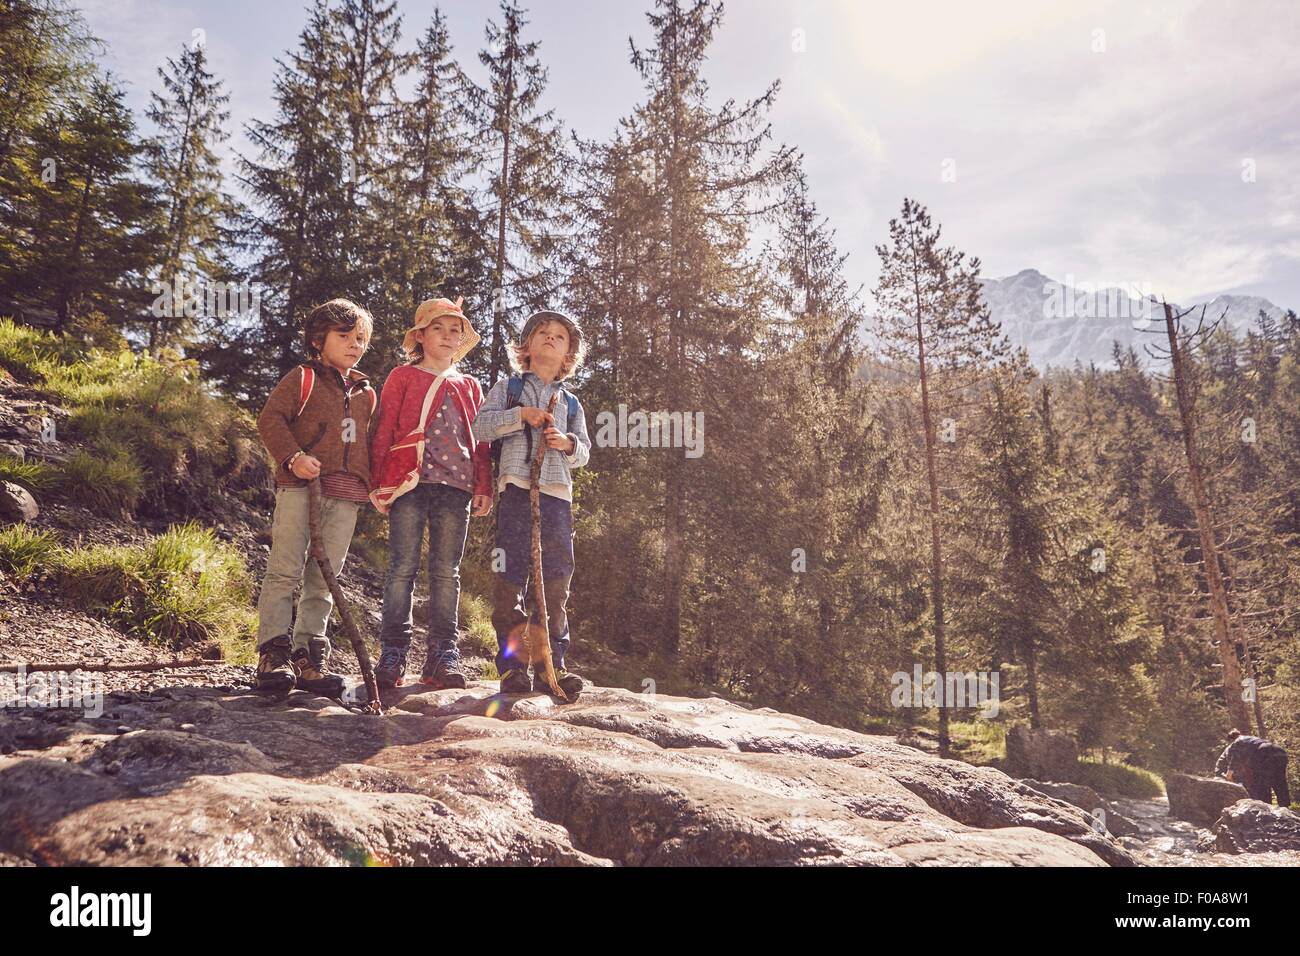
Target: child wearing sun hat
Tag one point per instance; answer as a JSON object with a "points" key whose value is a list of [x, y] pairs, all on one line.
{"points": [[429, 471]]}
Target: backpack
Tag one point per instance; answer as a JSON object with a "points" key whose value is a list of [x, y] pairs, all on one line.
{"points": [[309, 382], [515, 389]]}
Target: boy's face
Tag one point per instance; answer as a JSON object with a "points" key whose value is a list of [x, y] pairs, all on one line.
{"points": [[343, 350], [550, 340], [441, 337]]}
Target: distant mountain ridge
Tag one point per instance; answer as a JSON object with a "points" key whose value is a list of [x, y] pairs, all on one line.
{"points": [[1060, 323]]}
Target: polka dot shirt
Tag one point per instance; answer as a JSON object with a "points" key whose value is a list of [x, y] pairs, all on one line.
{"points": [[447, 458]]}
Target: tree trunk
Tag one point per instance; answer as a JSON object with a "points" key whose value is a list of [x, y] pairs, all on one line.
{"points": [[936, 549], [1031, 680], [1232, 685], [497, 359], [65, 281]]}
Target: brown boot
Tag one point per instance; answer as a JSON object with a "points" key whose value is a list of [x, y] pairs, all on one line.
{"points": [[275, 672], [312, 665]]}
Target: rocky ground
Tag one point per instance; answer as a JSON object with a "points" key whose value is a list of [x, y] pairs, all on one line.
{"points": [[1162, 840], [202, 775]]}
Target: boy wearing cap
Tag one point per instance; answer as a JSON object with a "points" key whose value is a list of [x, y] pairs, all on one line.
{"points": [[430, 470], [550, 350], [314, 424]]}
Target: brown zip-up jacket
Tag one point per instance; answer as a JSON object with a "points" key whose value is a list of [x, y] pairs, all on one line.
{"points": [[318, 430]]}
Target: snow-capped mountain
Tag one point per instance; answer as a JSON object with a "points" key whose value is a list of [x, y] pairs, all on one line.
{"points": [[1061, 322]]}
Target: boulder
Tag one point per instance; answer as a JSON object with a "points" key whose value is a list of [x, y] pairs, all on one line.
{"points": [[12, 449], [1253, 826], [1200, 800], [473, 777], [1087, 799], [1041, 754], [17, 503]]}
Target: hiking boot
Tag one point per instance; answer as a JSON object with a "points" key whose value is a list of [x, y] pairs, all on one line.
{"points": [[442, 671], [516, 681], [391, 668], [312, 665], [275, 671], [569, 682]]}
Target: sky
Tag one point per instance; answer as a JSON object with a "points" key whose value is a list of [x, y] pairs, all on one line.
{"points": [[1114, 143]]}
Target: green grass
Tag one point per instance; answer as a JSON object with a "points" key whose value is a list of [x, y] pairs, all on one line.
{"points": [[1118, 780], [109, 483], [181, 588], [978, 741], [24, 551], [476, 618], [35, 476], [29, 354]]}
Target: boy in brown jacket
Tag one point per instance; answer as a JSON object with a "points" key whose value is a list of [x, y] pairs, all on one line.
{"points": [[316, 424]]}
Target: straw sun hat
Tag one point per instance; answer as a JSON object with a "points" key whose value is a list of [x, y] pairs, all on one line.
{"points": [[431, 309]]}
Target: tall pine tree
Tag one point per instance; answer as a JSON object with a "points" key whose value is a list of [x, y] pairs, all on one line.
{"points": [[522, 153], [180, 158], [934, 325]]}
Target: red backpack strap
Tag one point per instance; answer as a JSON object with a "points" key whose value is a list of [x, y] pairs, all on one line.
{"points": [[304, 393]]}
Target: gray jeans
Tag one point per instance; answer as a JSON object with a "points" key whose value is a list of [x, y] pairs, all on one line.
{"points": [[290, 538]]}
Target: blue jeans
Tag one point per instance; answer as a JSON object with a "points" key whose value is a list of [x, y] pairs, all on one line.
{"points": [[511, 598], [445, 511]]}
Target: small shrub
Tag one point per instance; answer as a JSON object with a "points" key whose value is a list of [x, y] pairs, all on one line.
{"points": [[183, 587], [23, 551], [107, 483], [35, 476], [1121, 780], [979, 741]]}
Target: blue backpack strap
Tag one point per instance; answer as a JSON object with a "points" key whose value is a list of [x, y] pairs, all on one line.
{"points": [[514, 392], [514, 389]]}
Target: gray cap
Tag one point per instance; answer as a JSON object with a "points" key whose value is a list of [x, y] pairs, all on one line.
{"points": [[547, 315]]}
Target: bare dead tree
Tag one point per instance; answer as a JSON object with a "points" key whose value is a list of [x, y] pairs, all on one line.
{"points": [[1183, 341]]}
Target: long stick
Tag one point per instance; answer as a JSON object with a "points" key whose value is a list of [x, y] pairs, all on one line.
{"points": [[87, 666], [539, 648], [340, 599]]}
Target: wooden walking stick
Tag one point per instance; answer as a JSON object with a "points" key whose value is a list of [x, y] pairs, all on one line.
{"points": [[340, 599], [100, 667], [539, 648]]}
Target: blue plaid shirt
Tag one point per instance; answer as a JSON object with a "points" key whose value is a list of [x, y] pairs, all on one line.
{"points": [[496, 421]]}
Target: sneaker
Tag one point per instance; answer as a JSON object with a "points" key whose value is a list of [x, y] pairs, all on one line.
{"points": [[569, 682], [516, 681], [312, 665], [275, 671], [446, 672], [391, 667]]}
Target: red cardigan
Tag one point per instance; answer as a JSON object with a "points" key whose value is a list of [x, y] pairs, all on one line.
{"points": [[397, 447]]}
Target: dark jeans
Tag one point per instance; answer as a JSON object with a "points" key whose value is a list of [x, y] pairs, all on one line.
{"points": [[515, 536], [1265, 774], [445, 511], [511, 607], [511, 595]]}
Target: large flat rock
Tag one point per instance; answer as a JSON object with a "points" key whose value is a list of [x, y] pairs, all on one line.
{"points": [[194, 776]]}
